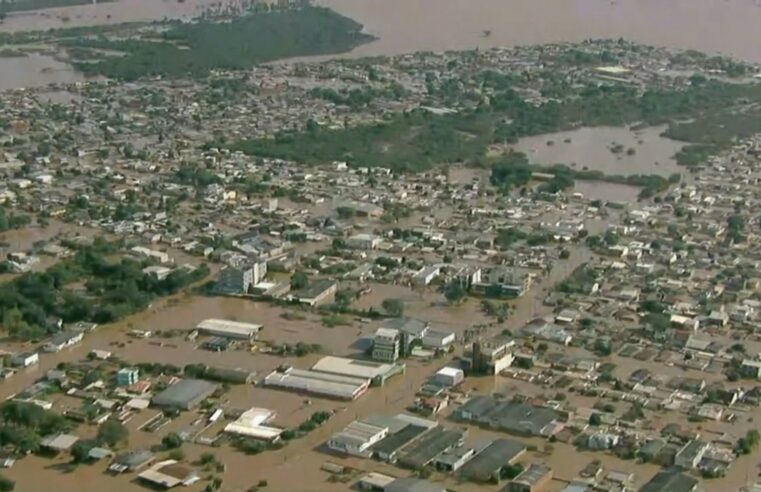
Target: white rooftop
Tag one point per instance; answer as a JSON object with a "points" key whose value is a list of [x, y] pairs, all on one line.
{"points": [[250, 424], [351, 367], [229, 326]]}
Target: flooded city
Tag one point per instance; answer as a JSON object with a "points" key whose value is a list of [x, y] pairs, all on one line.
{"points": [[413, 263]]}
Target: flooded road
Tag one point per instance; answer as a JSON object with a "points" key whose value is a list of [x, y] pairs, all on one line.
{"points": [[437, 25], [610, 150]]}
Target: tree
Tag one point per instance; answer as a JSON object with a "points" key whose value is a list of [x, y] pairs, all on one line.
{"points": [[208, 459], [345, 212], [602, 347], [112, 433], [176, 454], [510, 471], [393, 307], [299, 280], [455, 292], [595, 419], [746, 444], [6, 485], [611, 238], [343, 299], [171, 441], [81, 449], [738, 347]]}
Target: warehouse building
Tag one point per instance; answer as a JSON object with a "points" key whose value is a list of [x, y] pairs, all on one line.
{"points": [[375, 372], [412, 484], [251, 424], [448, 377], [388, 448], [454, 459], [422, 451], [357, 438], [318, 383], [489, 461], [374, 482], [380, 436], [670, 481], [169, 474], [516, 418], [229, 329], [185, 394], [535, 478], [402, 430], [316, 293]]}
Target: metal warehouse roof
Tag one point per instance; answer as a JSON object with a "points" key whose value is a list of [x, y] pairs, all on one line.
{"points": [[228, 326], [352, 367], [184, 393], [319, 383], [250, 423], [430, 445], [496, 455], [395, 441]]}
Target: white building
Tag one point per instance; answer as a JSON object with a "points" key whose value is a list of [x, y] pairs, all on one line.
{"points": [[157, 271], [251, 424], [25, 359], [63, 340], [449, 376], [318, 383], [363, 241], [426, 275], [357, 438], [159, 256], [228, 329]]}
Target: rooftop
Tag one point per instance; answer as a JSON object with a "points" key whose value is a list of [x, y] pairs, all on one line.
{"points": [[498, 454], [670, 481], [185, 393], [234, 327]]}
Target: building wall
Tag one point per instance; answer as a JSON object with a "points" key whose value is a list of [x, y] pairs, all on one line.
{"points": [[385, 350]]}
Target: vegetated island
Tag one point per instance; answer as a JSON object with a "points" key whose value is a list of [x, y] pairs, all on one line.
{"points": [[212, 42]]}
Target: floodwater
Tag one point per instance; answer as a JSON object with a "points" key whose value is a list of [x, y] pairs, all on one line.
{"points": [[611, 150], [404, 26], [104, 13], [35, 70], [607, 192]]}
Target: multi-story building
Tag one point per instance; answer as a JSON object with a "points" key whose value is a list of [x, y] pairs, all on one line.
{"points": [[127, 376], [239, 280], [386, 345], [491, 356]]}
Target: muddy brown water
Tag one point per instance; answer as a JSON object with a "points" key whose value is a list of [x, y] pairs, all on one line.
{"points": [[636, 152], [35, 70], [104, 13], [416, 25], [404, 26]]}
